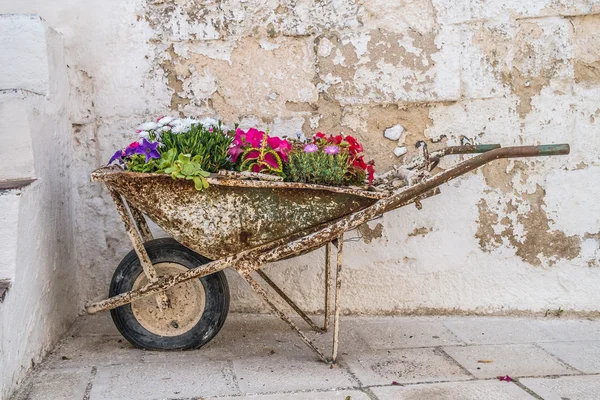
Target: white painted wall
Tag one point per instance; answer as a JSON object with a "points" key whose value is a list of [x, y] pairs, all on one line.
{"points": [[511, 72], [36, 221]]}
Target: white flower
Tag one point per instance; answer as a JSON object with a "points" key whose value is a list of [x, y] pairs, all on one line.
{"points": [[164, 121], [148, 126], [208, 122], [144, 135]]}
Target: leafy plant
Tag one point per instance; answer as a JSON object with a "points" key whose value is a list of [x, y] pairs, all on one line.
{"points": [[186, 167], [209, 147], [317, 167], [261, 159], [256, 151]]}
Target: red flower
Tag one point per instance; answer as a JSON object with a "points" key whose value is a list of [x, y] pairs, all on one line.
{"points": [[355, 147], [335, 139], [319, 135], [360, 163], [371, 171]]}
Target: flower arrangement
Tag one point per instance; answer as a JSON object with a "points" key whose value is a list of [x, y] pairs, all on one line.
{"points": [[191, 149], [330, 160], [256, 151], [185, 148]]}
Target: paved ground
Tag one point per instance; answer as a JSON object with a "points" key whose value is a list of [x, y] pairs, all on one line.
{"points": [[257, 357]]}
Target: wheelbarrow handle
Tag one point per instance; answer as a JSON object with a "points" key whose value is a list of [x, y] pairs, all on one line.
{"points": [[469, 149], [553, 149]]}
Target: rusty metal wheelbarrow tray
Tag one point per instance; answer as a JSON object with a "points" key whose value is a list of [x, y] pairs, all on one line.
{"points": [[244, 225], [233, 215]]}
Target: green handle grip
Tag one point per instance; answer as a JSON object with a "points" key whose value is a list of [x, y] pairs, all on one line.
{"points": [[553, 149]]}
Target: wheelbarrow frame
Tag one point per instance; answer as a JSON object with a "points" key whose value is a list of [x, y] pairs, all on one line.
{"points": [[329, 234]]}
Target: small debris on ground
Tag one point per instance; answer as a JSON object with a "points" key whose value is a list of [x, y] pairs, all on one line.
{"points": [[505, 378], [485, 361], [394, 383], [66, 358]]}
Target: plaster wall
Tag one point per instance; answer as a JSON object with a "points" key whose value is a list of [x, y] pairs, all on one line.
{"points": [[36, 231], [515, 236]]}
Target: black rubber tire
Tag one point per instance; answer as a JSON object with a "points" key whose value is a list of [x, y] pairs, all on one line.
{"points": [[216, 304]]}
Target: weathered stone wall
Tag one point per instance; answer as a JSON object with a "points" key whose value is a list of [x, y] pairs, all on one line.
{"points": [[36, 213], [516, 235]]}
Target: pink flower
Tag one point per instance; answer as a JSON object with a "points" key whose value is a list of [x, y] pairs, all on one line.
{"points": [[281, 146], [311, 148], [254, 137], [331, 150], [505, 378], [235, 152]]}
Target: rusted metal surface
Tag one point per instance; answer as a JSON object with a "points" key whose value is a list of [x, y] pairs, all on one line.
{"points": [[288, 300], [140, 223], [258, 289], [138, 246], [248, 175], [226, 219], [327, 286], [338, 292]]}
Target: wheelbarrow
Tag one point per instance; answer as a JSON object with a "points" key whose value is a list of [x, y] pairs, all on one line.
{"points": [[172, 294]]}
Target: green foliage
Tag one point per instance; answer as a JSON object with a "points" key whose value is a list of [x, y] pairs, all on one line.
{"points": [[317, 167], [209, 149], [137, 163], [187, 167], [182, 166]]}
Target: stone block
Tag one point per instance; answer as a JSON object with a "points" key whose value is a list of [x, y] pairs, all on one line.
{"points": [[26, 49], [511, 359], [285, 373], [582, 355], [480, 390], [16, 152], [565, 387], [161, 381], [404, 366]]}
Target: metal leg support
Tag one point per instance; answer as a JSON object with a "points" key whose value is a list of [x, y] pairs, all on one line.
{"points": [[338, 287], [290, 302], [140, 223], [161, 298], [327, 286], [283, 316]]}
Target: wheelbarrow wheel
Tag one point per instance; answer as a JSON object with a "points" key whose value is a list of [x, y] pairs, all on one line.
{"points": [[197, 308]]}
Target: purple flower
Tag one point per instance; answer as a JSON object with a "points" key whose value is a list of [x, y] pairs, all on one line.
{"points": [[119, 154], [148, 149], [311, 148], [331, 150]]}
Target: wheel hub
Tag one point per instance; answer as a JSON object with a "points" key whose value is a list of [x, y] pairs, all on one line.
{"points": [[186, 304]]}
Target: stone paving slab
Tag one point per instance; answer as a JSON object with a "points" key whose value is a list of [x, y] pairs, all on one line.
{"points": [[258, 357], [56, 385], [564, 330], [479, 390], [565, 387], [287, 373], [394, 333], [335, 395], [85, 351], [404, 366], [496, 330], [163, 381], [510, 359], [583, 355]]}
